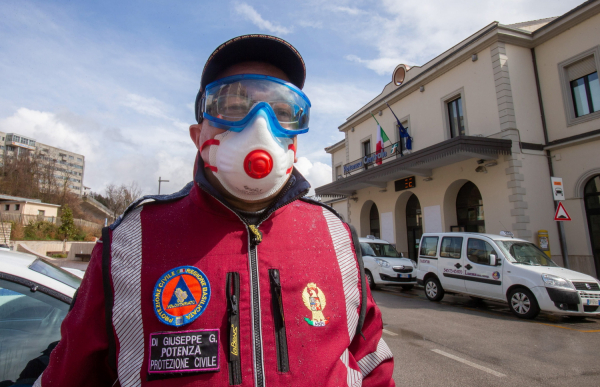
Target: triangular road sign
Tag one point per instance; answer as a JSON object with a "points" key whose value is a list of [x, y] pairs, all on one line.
{"points": [[561, 213]]}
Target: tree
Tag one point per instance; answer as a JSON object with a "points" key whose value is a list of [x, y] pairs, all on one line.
{"points": [[67, 228], [117, 198]]}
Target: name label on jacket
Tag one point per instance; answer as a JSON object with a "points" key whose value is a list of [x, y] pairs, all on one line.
{"points": [[187, 351]]}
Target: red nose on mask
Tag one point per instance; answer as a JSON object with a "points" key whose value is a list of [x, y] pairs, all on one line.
{"points": [[258, 164]]}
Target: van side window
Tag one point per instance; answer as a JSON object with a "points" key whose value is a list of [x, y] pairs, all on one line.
{"points": [[429, 246], [479, 251], [451, 247]]}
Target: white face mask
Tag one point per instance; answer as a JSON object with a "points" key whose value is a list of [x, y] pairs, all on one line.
{"points": [[252, 164]]}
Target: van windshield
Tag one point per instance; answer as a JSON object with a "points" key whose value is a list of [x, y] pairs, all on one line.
{"points": [[525, 253], [379, 250]]}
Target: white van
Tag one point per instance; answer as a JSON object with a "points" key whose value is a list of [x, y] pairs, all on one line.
{"points": [[503, 268], [385, 266]]}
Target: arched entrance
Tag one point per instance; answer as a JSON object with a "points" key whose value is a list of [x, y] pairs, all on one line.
{"points": [[374, 228], [414, 225], [591, 197], [469, 209]]}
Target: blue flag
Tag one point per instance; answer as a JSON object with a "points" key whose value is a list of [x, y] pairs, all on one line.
{"points": [[403, 131]]}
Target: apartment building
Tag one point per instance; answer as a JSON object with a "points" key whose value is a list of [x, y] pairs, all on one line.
{"points": [[491, 120], [68, 167]]}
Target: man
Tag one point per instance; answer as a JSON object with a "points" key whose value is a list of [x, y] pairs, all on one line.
{"points": [[234, 280]]}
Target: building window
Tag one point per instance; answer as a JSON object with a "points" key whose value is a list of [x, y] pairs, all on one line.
{"points": [[17, 207], [580, 86], [41, 213], [80, 160], [366, 149], [7, 207], [9, 137], [586, 94], [71, 158], [456, 118], [338, 172]]}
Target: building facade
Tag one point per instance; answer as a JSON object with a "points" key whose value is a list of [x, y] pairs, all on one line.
{"points": [[68, 167], [491, 120]]}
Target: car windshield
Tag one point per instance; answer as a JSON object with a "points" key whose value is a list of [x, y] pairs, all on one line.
{"points": [[29, 325], [525, 253], [56, 273], [379, 250]]}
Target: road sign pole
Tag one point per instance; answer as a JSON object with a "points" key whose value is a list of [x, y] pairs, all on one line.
{"points": [[563, 241]]}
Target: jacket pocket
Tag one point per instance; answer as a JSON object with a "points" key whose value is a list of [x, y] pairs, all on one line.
{"points": [[233, 299], [283, 364]]}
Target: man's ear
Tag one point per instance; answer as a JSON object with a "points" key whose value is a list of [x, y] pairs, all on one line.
{"points": [[195, 131]]}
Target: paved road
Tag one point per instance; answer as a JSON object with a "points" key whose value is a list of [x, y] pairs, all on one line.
{"points": [[463, 342]]}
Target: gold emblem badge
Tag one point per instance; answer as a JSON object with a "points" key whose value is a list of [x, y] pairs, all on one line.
{"points": [[315, 301]]}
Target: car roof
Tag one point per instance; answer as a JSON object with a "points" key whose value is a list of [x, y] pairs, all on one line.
{"points": [[495, 237], [369, 240], [17, 264]]}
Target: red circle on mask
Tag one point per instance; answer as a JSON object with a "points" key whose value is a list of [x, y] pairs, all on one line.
{"points": [[258, 164]]}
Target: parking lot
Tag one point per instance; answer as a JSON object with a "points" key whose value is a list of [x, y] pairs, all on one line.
{"points": [[465, 342]]}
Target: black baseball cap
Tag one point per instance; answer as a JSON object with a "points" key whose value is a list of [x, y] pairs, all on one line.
{"points": [[255, 48]]}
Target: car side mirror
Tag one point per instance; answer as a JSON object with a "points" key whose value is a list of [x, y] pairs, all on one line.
{"points": [[401, 255], [493, 260]]}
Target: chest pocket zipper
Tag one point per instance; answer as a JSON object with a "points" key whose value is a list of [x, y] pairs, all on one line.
{"points": [[283, 364], [233, 299]]}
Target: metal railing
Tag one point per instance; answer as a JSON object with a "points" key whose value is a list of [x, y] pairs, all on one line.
{"points": [[365, 162]]}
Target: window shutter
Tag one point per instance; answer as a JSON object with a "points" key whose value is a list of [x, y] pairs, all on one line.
{"points": [[581, 68]]}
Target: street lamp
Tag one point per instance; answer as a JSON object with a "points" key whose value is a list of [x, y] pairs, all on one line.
{"points": [[161, 181]]}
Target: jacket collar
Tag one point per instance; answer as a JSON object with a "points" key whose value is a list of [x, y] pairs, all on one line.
{"points": [[295, 188]]}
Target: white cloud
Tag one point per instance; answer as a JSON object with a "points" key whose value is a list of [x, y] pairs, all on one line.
{"points": [[415, 32], [250, 14], [317, 173], [147, 106]]}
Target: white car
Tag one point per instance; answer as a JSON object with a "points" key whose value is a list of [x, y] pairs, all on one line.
{"points": [[503, 268], [385, 266], [34, 299]]}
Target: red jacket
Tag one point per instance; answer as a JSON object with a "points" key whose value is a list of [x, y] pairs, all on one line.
{"points": [[294, 314]]}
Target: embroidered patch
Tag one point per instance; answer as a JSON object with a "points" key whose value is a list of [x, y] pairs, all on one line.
{"points": [[187, 351], [181, 295], [315, 301]]}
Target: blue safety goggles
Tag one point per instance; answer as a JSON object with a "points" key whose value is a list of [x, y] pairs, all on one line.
{"points": [[230, 103]]}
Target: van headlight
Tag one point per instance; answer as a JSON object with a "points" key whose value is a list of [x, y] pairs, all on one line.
{"points": [[414, 263], [553, 281], [382, 262]]}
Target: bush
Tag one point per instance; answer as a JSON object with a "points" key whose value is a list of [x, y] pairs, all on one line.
{"points": [[17, 232], [40, 231]]}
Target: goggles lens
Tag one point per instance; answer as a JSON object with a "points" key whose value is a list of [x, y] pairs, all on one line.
{"points": [[230, 100]]}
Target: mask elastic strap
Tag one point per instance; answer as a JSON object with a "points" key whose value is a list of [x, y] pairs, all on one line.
{"points": [[209, 143]]}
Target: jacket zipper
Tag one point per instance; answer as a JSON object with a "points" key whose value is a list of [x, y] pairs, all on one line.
{"points": [[283, 364], [254, 238], [233, 297]]}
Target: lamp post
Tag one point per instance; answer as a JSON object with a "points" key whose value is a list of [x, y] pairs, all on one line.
{"points": [[161, 181]]}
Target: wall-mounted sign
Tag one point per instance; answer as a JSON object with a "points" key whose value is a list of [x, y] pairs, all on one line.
{"points": [[557, 188], [406, 183]]}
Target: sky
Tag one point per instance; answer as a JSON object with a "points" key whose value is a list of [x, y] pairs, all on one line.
{"points": [[116, 80]]}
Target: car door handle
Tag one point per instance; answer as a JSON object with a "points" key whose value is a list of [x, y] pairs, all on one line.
{"points": [[468, 267], [458, 266]]}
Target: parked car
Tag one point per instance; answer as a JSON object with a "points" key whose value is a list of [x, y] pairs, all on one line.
{"points": [[79, 273], [503, 268], [385, 266], [34, 299]]}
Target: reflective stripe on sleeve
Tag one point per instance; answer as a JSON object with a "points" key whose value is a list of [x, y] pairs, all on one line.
{"points": [[372, 360]]}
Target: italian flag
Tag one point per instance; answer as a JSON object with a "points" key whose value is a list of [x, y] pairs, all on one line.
{"points": [[381, 138]]}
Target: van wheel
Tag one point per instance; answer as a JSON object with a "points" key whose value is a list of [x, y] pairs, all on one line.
{"points": [[370, 280], [433, 289], [523, 303], [407, 287]]}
